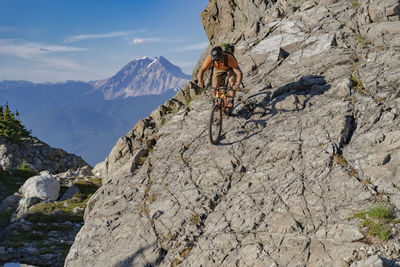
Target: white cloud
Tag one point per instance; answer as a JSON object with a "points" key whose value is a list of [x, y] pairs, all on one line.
{"points": [[145, 40], [40, 74], [200, 46], [83, 37], [28, 50], [40, 53]]}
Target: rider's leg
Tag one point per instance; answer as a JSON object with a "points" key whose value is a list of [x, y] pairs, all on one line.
{"points": [[231, 93], [232, 80], [219, 77]]}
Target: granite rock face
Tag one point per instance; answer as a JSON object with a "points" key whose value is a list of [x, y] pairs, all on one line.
{"points": [[314, 139]]}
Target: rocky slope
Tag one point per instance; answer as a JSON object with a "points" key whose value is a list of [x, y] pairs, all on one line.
{"points": [[307, 173], [38, 155]]}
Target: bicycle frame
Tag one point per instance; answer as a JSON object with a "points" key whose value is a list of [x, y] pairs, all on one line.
{"points": [[220, 94]]}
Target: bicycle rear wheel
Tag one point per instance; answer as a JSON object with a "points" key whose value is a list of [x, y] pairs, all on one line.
{"points": [[215, 125]]}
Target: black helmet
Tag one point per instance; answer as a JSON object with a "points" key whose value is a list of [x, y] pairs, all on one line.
{"points": [[216, 53]]}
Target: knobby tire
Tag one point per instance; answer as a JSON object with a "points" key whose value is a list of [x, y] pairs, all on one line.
{"points": [[215, 126]]}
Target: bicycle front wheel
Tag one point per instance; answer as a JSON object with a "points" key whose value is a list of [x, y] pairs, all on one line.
{"points": [[215, 126]]}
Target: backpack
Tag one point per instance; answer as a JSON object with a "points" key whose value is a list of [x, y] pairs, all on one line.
{"points": [[228, 49]]}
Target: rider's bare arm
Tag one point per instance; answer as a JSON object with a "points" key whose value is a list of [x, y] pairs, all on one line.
{"points": [[200, 77], [239, 76]]}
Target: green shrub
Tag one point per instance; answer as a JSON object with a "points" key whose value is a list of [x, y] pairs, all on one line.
{"points": [[24, 171]]}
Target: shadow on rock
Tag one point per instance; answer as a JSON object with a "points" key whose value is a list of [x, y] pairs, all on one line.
{"points": [[398, 10], [130, 261], [292, 97]]}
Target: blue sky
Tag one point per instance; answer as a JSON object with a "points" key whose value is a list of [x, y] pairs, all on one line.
{"points": [[59, 40]]}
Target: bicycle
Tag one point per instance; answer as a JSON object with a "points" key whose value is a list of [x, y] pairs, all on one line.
{"points": [[217, 110]]}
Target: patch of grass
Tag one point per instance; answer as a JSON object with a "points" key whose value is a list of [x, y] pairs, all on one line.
{"points": [[151, 198], [67, 206], [353, 172], [355, 3], [176, 262], [339, 159], [143, 209], [24, 171], [381, 212], [377, 229], [357, 86], [360, 215], [361, 39], [195, 219], [188, 100], [184, 253], [366, 182], [380, 100], [376, 221], [39, 217]]}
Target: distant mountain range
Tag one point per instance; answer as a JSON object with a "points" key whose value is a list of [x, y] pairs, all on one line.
{"points": [[87, 118]]}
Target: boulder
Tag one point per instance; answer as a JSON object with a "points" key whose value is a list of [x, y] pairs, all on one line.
{"points": [[374, 261], [43, 186]]}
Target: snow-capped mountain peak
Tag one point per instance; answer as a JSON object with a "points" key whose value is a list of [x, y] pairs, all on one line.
{"points": [[143, 76]]}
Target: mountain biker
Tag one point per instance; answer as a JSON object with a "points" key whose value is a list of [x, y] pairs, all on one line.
{"points": [[224, 64]]}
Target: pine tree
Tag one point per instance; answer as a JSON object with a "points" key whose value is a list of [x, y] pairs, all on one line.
{"points": [[10, 126]]}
